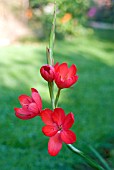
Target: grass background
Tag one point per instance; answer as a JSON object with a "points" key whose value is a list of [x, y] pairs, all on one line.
{"points": [[22, 145]]}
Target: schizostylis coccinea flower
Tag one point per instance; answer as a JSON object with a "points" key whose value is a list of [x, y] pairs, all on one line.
{"points": [[57, 128], [65, 77], [31, 106]]}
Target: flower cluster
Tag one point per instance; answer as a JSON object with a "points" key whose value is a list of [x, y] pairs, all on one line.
{"points": [[57, 123], [63, 76]]}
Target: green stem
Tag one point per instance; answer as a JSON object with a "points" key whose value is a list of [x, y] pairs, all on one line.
{"points": [[52, 35], [100, 158], [49, 54], [52, 98], [51, 91], [49, 86], [57, 97], [88, 159]]}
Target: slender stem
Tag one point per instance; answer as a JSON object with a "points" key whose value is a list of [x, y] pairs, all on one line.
{"points": [[49, 54], [51, 92], [57, 97], [49, 86], [88, 159], [52, 35], [52, 97], [100, 158]]}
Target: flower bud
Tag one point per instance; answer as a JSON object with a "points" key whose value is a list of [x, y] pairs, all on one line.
{"points": [[48, 72]]}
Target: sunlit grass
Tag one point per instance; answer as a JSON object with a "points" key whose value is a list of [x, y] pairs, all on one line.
{"points": [[22, 144]]}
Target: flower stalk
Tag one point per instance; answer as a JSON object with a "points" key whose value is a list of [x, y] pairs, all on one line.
{"points": [[48, 56], [52, 35], [57, 97], [49, 53], [51, 91], [88, 159], [97, 154]]}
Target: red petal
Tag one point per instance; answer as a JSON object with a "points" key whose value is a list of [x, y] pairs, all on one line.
{"points": [[33, 108], [72, 81], [58, 116], [34, 90], [63, 69], [36, 97], [49, 130], [22, 114], [72, 71], [46, 116], [69, 82], [54, 145], [22, 117], [22, 111], [68, 136], [56, 66], [68, 122], [58, 81], [24, 100], [65, 83]]}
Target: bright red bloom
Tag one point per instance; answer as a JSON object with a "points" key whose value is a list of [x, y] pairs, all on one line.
{"points": [[48, 72], [31, 106], [57, 128], [64, 76]]}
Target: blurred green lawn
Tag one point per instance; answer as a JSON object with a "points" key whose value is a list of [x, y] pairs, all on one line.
{"points": [[22, 145]]}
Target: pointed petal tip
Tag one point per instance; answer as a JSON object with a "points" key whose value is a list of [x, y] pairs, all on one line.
{"points": [[16, 109], [34, 90]]}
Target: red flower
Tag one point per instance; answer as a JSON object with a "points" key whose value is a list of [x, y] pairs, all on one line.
{"points": [[48, 72], [57, 128], [31, 106], [64, 76]]}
